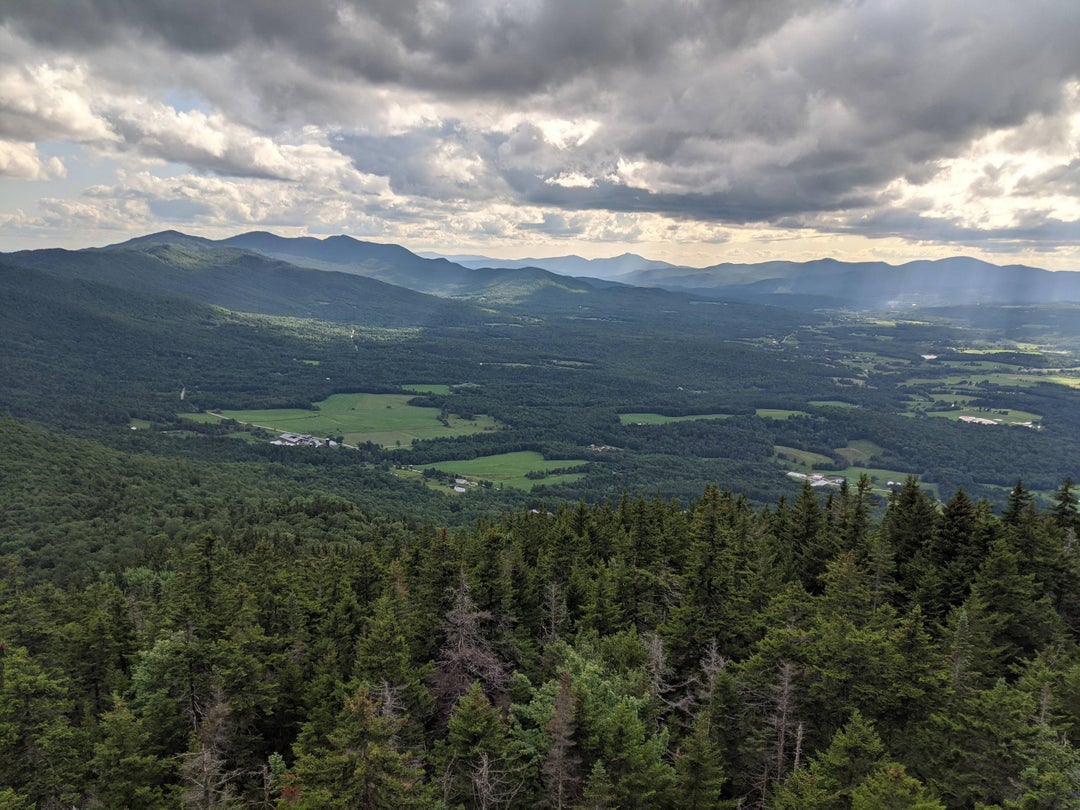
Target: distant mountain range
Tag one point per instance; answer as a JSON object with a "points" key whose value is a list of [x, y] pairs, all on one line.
{"points": [[828, 282], [871, 285], [610, 268], [263, 272], [341, 279]]}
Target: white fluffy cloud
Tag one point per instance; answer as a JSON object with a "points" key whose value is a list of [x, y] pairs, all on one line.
{"points": [[22, 161]]}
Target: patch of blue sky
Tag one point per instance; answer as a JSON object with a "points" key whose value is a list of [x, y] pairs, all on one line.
{"points": [[81, 170], [187, 102]]}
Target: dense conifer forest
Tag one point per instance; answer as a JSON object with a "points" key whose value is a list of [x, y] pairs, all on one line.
{"points": [[219, 646]]}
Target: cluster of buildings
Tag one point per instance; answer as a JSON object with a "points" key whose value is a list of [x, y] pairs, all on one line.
{"points": [[302, 440], [817, 480]]}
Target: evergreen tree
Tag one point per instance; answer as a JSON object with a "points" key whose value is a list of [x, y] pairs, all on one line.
{"points": [[832, 777], [359, 765], [1064, 510], [813, 542], [474, 764], [908, 526], [42, 756], [125, 772], [599, 791], [1005, 608], [1020, 506], [384, 658], [699, 770], [890, 788]]}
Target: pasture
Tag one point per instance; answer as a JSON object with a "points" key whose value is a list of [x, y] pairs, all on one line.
{"points": [[385, 419], [803, 458], [510, 469]]}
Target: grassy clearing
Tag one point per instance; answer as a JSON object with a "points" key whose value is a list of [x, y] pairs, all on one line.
{"points": [[778, 413], [424, 388], [509, 469], [831, 403], [385, 419], [660, 419], [803, 458], [859, 451], [1070, 380], [880, 478], [202, 418]]}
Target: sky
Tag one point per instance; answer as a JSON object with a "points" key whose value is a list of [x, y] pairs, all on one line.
{"points": [[691, 131]]}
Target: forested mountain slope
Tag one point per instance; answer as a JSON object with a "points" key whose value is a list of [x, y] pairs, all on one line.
{"points": [[297, 652], [248, 282]]}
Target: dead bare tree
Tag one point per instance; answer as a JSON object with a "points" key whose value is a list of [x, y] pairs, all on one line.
{"points": [[466, 654], [207, 780], [494, 784], [555, 612], [562, 765], [779, 720]]}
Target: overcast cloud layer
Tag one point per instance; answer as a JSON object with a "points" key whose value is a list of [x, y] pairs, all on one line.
{"points": [[688, 130]]}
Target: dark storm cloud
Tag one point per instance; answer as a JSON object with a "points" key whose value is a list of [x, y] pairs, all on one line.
{"points": [[724, 111], [470, 46]]}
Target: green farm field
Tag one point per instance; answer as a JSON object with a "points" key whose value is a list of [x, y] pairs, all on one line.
{"points": [[859, 451], [510, 469], [1004, 416], [1022, 380], [803, 458], [385, 419], [778, 413], [660, 419]]}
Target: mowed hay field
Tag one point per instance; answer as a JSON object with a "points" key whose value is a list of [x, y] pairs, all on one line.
{"points": [[385, 419], [510, 469]]}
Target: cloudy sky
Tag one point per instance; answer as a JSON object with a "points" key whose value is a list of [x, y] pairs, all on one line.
{"points": [[695, 131]]}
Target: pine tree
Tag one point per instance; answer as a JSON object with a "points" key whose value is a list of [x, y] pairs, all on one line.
{"points": [[41, 753], [1064, 510], [908, 527], [1006, 609], [1020, 506], [125, 772], [833, 775], [384, 658], [699, 769], [599, 792], [473, 763], [813, 542], [891, 788], [359, 765]]}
